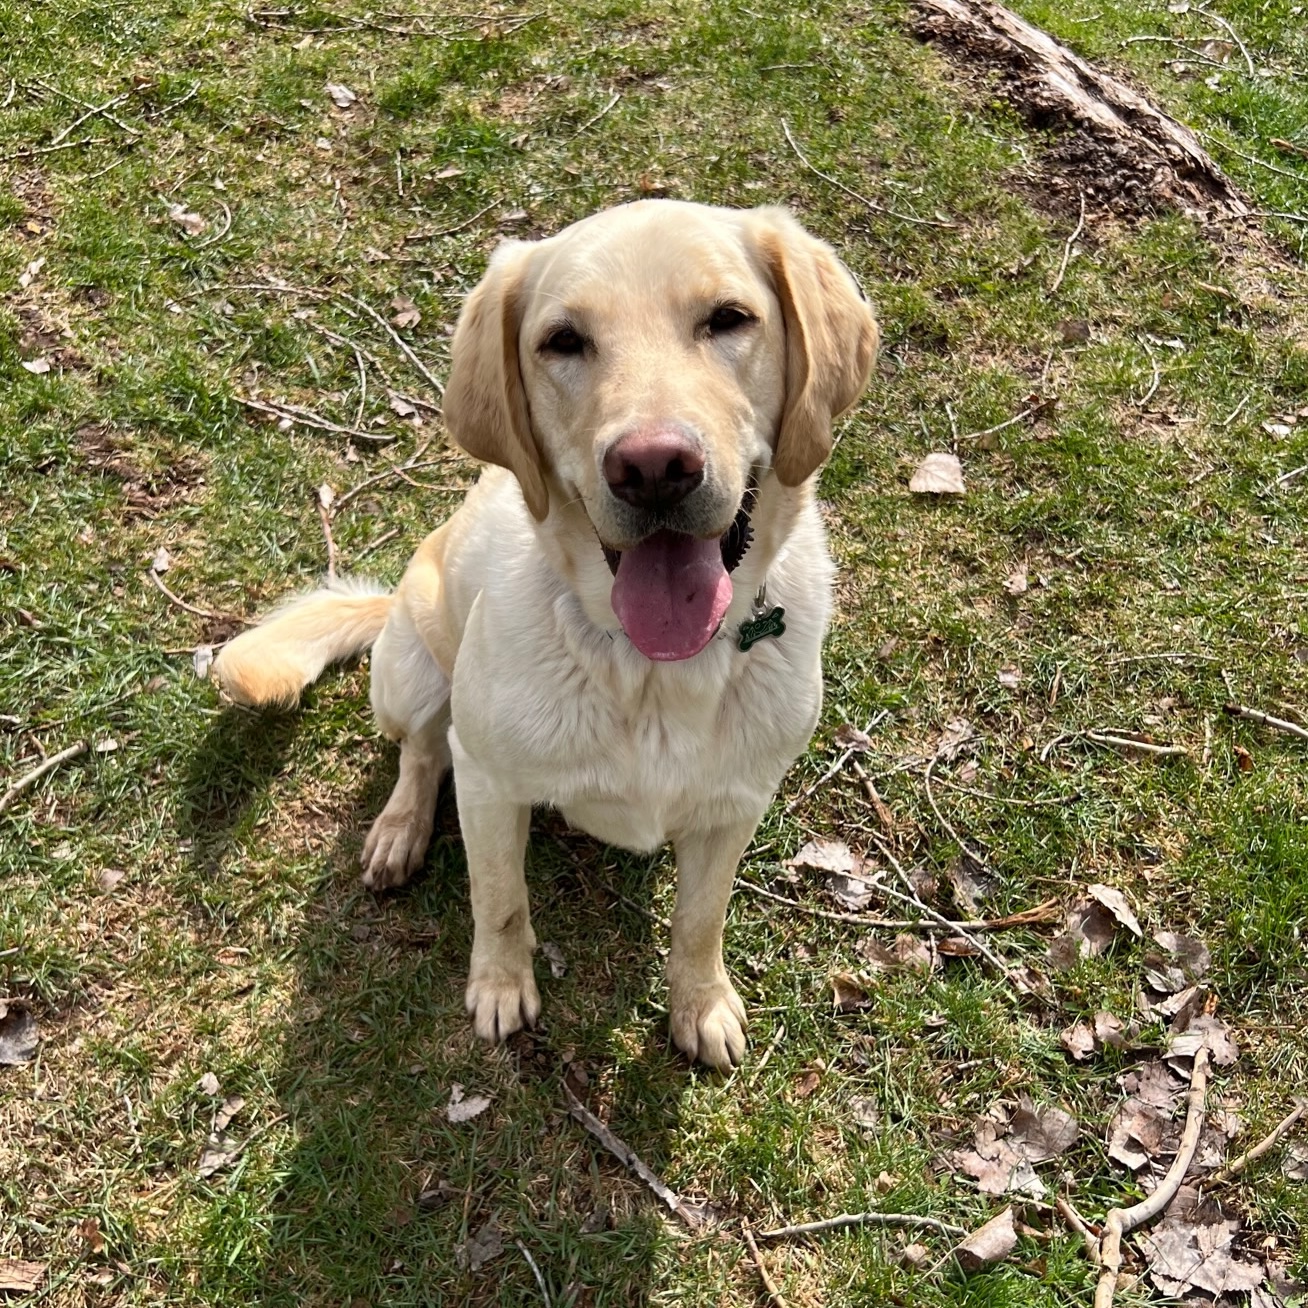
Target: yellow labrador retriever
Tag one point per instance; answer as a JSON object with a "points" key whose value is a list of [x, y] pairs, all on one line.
{"points": [[624, 620]]}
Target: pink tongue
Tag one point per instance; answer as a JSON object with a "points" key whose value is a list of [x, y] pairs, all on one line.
{"points": [[670, 594]]}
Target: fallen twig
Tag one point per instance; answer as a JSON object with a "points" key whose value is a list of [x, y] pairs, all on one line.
{"points": [[1067, 249], [862, 199], [1139, 746], [909, 1220], [1253, 159], [1033, 411], [102, 110], [1233, 1169], [409, 465], [1048, 911], [1080, 1226], [49, 765], [944, 821], [836, 766], [191, 608], [415, 237], [1235, 36], [628, 1158], [1157, 377], [590, 122], [1264, 720], [1284, 479], [377, 544], [874, 798], [1053, 801], [764, 1275], [1122, 1221], [324, 514], [32, 152], [1279, 143], [222, 231], [295, 413], [535, 1271], [1002, 965]]}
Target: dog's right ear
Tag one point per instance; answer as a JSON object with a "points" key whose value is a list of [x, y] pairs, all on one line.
{"points": [[485, 406]]}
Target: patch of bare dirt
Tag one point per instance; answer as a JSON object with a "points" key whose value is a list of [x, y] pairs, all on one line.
{"points": [[147, 491]]}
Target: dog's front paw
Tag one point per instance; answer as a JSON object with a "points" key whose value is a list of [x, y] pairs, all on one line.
{"points": [[708, 1023], [395, 848], [502, 999]]}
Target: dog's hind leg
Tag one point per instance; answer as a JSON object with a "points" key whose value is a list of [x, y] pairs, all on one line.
{"points": [[411, 701]]}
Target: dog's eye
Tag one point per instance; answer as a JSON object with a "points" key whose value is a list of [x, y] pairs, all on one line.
{"points": [[563, 340], [727, 318]]}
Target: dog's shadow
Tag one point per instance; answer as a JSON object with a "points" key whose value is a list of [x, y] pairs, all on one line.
{"points": [[385, 1191]]}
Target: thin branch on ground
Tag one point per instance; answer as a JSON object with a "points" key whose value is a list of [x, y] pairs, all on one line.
{"points": [[966, 930], [9, 97], [773, 1045], [1299, 177], [1080, 1226], [1067, 249], [415, 237], [100, 110], [1284, 479], [412, 462], [1287, 1123], [1234, 35], [1053, 801], [774, 1294], [34, 151], [191, 608], [590, 122], [535, 1271], [910, 1221], [862, 199], [408, 353], [1122, 1221], [1048, 911], [1115, 741], [1264, 720], [30, 778], [220, 233], [295, 413], [1033, 411], [1157, 377], [835, 767], [944, 821], [874, 798], [627, 1156], [324, 514], [373, 545]]}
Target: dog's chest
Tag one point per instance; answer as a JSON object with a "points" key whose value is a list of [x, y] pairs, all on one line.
{"points": [[633, 752]]}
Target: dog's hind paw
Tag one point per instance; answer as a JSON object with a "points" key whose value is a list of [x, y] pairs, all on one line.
{"points": [[394, 850], [502, 1000], [708, 1024]]}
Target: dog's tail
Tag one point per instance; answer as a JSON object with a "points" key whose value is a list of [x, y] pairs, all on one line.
{"points": [[269, 665]]}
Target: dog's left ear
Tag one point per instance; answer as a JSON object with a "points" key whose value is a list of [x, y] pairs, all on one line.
{"points": [[831, 340], [485, 407]]}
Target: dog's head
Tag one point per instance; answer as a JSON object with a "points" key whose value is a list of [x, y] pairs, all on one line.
{"points": [[654, 362]]}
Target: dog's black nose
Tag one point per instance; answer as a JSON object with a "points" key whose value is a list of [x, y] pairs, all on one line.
{"points": [[654, 467]]}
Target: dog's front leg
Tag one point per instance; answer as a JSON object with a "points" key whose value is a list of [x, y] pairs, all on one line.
{"points": [[707, 1017], [501, 995]]}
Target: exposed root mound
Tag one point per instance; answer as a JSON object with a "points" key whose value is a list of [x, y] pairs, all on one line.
{"points": [[1124, 152]]}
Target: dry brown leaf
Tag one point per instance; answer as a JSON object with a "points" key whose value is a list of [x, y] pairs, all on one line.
{"points": [[341, 96], [480, 1248], [1137, 1134], [463, 1108], [89, 1229], [230, 1107], [1116, 903], [850, 737], [826, 856], [1295, 1167], [1041, 1132], [988, 1244], [852, 893], [1078, 1039], [938, 474], [1092, 926], [1190, 1249], [554, 956], [19, 1033], [220, 1150], [208, 1083], [109, 879], [1017, 583], [1210, 1031], [956, 733], [1110, 1030], [866, 1113], [20, 1277], [30, 273], [191, 223], [38, 366], [1009, 676], [406, 312], [848, 994], [807, 1082]]}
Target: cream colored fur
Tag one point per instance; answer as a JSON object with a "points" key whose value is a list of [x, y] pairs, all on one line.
{"points": [[500, 654]]}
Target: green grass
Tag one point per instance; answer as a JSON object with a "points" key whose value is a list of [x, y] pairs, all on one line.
{"points": [[1166, 571]]}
